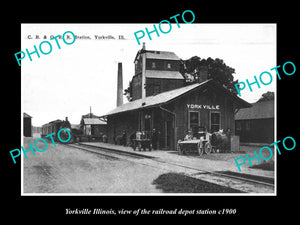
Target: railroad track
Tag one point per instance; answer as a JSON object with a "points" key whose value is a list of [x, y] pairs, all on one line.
{"points": [[254, 184], [108, 152]]}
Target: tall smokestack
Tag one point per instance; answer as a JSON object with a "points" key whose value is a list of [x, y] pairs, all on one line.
{"points": [[120, 85]]}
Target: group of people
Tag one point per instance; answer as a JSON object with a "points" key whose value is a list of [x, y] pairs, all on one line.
{"points": [[220, 139], [189, 136], [122, 139]]}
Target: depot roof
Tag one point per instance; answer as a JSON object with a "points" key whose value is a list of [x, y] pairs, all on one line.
{"points": [[168, 96], [259, 110]]}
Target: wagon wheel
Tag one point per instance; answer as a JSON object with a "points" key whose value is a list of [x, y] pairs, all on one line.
{"points": [[178, 148], [139, 146], [134, 145], [200, 150], [207, 148]]}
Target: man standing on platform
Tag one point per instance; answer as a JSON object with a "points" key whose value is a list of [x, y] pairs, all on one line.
{"points": [[155, 138]]}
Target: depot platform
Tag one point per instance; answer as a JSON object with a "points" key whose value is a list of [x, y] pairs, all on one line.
{"points": [[216, 162]]}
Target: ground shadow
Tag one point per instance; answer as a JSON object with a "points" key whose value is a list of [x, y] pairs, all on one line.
{"points": [[265, 165], [268, 180], [179, 183]]}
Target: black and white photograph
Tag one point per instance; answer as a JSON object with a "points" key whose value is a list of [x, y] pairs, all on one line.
{"points": [[191, 112], [138, 111]]}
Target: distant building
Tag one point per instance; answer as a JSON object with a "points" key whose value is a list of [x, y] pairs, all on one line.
{"points": [[27, 127], [256, 124], [75, 126], [92, 126], [36, 129]]}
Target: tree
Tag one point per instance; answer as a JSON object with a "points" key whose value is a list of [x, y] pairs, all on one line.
{"points": [[268, 96], [216, 70], [128, 92]]}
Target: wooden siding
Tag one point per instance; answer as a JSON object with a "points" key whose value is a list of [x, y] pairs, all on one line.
{"points": [[137, 87], [153, 86], [255, 130], [116, 124], [162, 64], [162, 84], [204, 97], [27, 128]]}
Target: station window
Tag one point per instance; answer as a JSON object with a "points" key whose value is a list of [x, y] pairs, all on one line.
{"points": [[169, 65], [215, 121], [193, 119], [153, 65]]}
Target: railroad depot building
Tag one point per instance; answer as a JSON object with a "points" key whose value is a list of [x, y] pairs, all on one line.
{"points": [[161, 99]]}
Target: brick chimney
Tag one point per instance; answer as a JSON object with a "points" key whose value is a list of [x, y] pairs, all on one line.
{"points": [[120, 85]]}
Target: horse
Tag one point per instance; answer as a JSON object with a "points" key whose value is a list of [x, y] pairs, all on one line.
{"points": [[220, 140]]}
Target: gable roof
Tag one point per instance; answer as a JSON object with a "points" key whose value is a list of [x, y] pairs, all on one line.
{"points": [[89, 115], [93, 121], [161, 55], [25, 115], [259, 110], [166, 97], [152, 54]]}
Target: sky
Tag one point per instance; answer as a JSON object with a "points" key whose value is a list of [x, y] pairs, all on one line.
{"points": [[66, 82]]}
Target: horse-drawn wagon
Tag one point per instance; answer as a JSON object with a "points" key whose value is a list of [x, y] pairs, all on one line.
{"points": [[202, 141]]}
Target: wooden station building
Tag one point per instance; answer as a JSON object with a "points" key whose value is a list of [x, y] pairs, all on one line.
{"points": [[256, 124], [27, 126], [92, 126], [161, 99]]}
